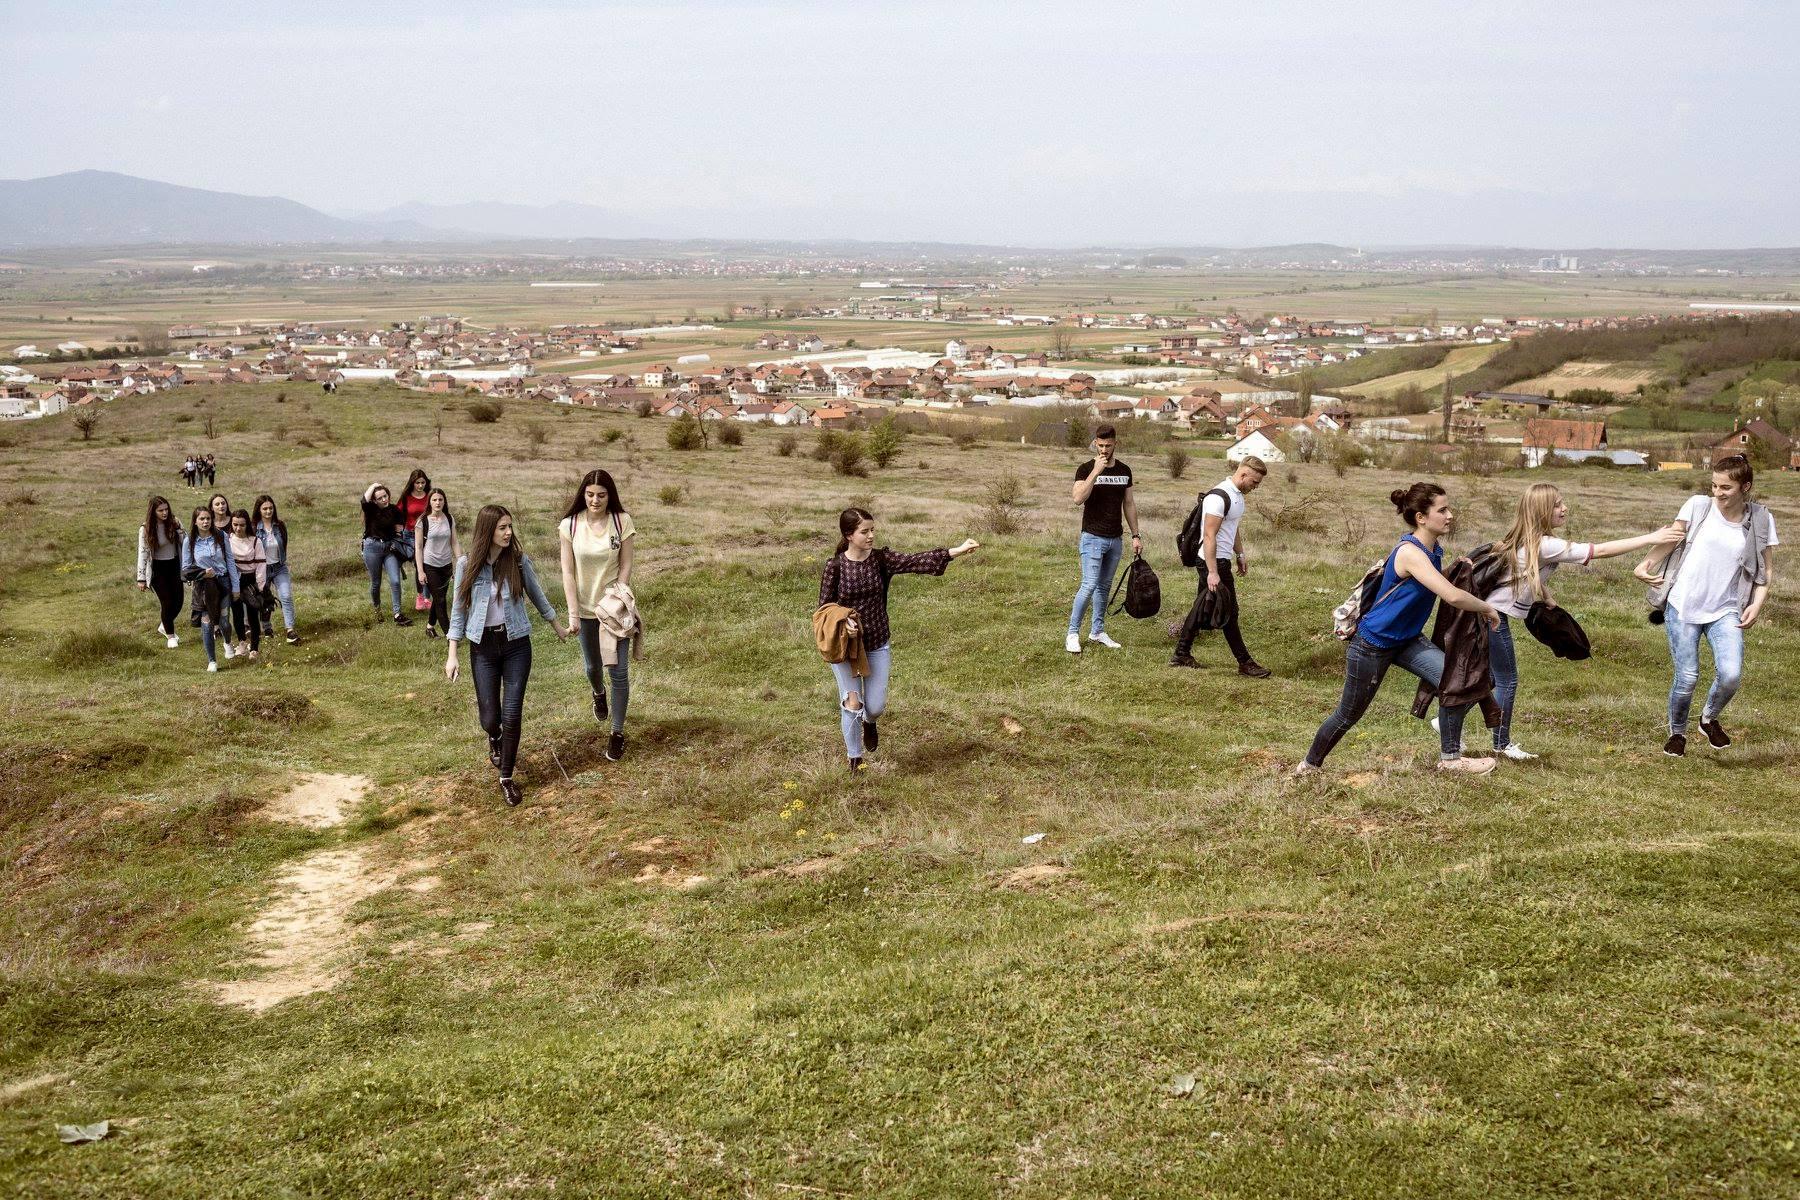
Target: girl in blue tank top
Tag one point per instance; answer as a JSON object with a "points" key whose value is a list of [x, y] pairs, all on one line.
{"points": [[1392, 632]]}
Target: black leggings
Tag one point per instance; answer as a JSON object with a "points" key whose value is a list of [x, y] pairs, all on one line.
{"points": [[165, 581], [246, 617], [437, 579], [501, 667]]}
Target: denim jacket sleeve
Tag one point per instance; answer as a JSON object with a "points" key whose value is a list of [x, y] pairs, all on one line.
{"points": [[536, 590], [187, 555], [459, 613], [231, 569]]}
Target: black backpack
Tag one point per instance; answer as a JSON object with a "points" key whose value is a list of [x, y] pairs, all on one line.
{"points": [[1192, 538], [1143, 591]]}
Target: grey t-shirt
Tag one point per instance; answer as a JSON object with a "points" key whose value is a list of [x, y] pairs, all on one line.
{"points": [[438, 530]]}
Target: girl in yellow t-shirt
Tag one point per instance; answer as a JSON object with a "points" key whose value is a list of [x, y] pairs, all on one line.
{"points": [[596, 554]]}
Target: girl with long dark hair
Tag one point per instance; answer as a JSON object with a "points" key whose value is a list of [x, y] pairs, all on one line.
{"points": [[208, 565], [253, 576], [415, 502], [383, 547], [220, 510], [436, 550], [1392, 632], [159, 564], [857, 577], [597, 537], [493, 583], [272, 532]]}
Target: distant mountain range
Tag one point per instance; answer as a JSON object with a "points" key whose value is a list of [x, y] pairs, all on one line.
{"points": [[103, 208]]}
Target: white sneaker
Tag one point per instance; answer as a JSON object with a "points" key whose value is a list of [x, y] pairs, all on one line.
{"points": [[1305, 768], [1517, 752], [1105, 639], [1467, 766], [211, 667], [174, 641], [1072, 643], [229, 652]]}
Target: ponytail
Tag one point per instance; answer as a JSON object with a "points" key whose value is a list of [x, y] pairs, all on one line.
{"points": [[848, 520]]}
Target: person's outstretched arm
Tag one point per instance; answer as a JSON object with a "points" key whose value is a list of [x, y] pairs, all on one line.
{"points": [[1411, 563]]}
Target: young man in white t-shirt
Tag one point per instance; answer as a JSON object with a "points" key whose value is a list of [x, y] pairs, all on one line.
{"points": [[1221, 545], [1714, 585]]}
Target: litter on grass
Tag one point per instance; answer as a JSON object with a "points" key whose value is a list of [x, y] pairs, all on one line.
{"points": [[1032, 839], [75, 1135]]}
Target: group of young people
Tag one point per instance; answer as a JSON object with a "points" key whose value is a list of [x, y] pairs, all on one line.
{"points": [[198, 470], [1709, 571], [230, 564]]}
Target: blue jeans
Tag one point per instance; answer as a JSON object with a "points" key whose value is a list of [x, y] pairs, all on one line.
{"points": [[501, 667], [1503, 661], [1099, 561], [873, 688], [1727, 642], [1364, 667], [378, 557], [619, 673], [281, 583]]}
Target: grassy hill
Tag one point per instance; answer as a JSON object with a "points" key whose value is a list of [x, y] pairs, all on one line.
{"points": [[722, 967]]}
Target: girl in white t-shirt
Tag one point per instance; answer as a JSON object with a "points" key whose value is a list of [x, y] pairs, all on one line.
{"points": [[1720, 580], [597, 535], [1535, 552]]}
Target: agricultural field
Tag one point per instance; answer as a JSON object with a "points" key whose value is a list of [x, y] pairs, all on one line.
{"points": [[1463, 358], [1619, 378], [723, 967]]}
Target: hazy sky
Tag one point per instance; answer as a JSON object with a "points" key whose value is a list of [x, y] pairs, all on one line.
{"points": [[1547, 124]]}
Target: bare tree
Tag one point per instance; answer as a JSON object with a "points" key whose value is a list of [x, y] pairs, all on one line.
{"points": [[1062, 342], [87, 420]]}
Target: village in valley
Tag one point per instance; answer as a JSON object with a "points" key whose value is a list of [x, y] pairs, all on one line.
{"points": [[1246, 385]]}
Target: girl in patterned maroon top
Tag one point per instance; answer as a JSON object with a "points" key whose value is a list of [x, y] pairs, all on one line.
{"points": [[857, 577]]}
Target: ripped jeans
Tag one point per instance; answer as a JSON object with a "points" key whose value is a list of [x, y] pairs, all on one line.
{"points": [[873, 689]]}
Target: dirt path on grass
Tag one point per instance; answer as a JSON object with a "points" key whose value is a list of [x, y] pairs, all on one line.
{"points": [[320, 801], [301, 941]]}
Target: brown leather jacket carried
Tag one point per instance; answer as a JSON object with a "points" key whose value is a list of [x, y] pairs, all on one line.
{"points": [[1463, 637], [831, 630]]}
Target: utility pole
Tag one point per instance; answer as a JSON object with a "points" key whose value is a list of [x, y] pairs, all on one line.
{"points": [[1446, 408]]}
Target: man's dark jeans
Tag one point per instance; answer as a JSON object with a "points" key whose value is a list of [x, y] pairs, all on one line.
{"points": [[1184, 643]]}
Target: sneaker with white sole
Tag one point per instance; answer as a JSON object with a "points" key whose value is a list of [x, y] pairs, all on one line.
{"points": [[1072, 643], [1467, 766], [174, 641], [1517, 752], [1105, 639], [211, 667], [229, 652]]}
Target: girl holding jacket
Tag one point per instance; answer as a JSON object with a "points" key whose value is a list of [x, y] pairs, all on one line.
{"points": [[159, 564], [597, 538], [208, 565], [493, 583], [857, 577]]}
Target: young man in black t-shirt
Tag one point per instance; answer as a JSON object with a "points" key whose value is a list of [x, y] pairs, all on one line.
{"points": [[1103, 489]]}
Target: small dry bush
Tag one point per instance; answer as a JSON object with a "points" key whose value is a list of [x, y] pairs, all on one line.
{"points": [[787, 445], [1003, 504], [1178, 462], [331, 570], [485, 412], [1305, 513], [670, 493], [612, 435], [731, 433]]}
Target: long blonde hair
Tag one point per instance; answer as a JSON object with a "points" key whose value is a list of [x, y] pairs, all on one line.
{"points": [[1534, 520]]}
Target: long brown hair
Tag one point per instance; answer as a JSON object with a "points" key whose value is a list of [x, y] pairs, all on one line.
{"points": [[578, 504], [158, 532], [506, 567], [848, 521], [418, 476]]}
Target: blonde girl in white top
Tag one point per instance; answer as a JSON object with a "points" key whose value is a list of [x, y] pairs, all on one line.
{"points": [[597, 535], [1535, 550]]}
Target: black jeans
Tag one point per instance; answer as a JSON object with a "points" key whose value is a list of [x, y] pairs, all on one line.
{"points": [[1184, 643], [245, 616], [501, 666], [165, 581], [437, 580]]}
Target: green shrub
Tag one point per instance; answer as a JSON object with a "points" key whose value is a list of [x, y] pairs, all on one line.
{"points": [[787, 445], [686, 434], [485, 412], [670, 493], [885, 439], [1178, 462], [847, 458], [731, 433]]}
